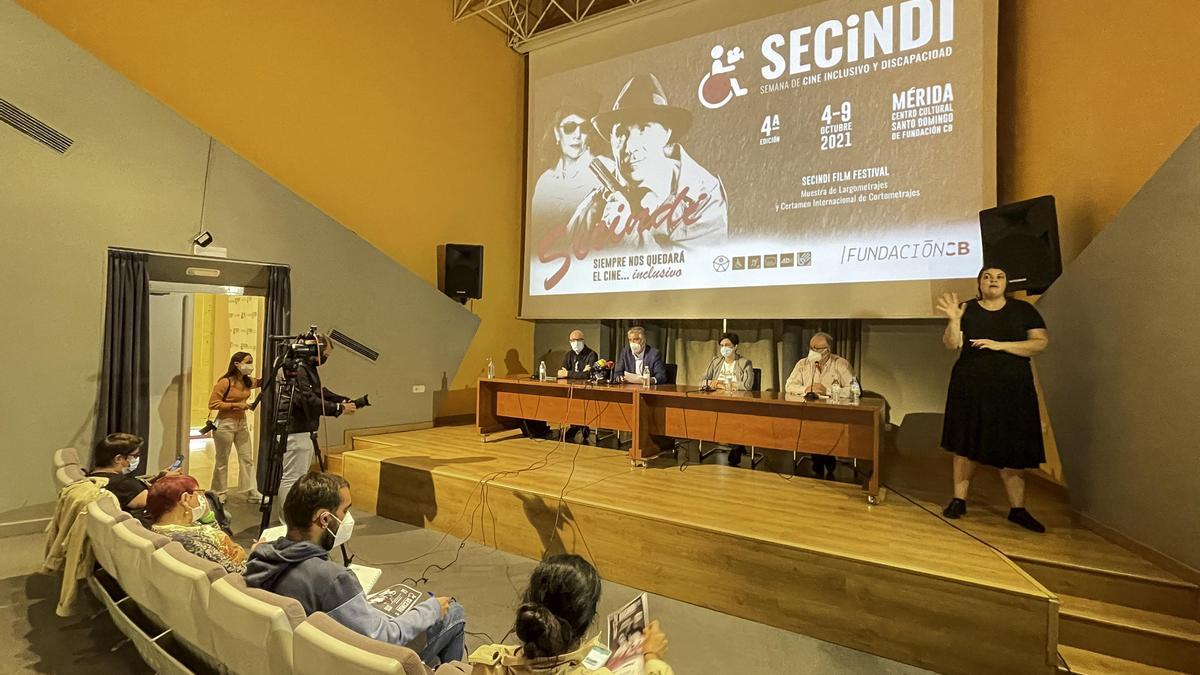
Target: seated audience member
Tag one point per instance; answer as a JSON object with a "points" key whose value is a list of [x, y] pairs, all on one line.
{"points": [[816, 373], [179, 510], [552, 624], [317, 514], [577, 365], [738, 371], [116, 457], [638, 356]]}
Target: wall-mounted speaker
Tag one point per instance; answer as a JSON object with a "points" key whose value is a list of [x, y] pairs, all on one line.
{"points": [[1022, 238], [462, 271]]}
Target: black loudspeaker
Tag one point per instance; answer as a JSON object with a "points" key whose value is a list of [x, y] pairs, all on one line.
{"points": [[1022, 239], [462, 271]]}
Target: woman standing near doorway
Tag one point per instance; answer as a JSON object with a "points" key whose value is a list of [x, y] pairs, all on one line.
{"points": [[231, 399]]}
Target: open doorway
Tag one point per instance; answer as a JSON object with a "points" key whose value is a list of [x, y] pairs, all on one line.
{"points": [[223, 327], [202, 311]]}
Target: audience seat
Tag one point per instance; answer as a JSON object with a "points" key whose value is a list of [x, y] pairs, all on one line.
{"points": [[181, 583], [133, 545], [65, 456], [65, 475], [103, 516], [322, 645], [252, 628]]}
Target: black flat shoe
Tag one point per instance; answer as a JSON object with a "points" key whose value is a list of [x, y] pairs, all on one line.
{"points": [[735, 456], [1021, 517], [957, 508]]}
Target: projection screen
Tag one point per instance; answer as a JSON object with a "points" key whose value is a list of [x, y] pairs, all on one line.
{"points": [[761, 160]]}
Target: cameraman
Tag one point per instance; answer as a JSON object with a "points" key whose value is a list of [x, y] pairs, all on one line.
{"points": [[310, 401]]}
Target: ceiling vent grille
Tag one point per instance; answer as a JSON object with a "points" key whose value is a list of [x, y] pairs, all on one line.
{"points": [[34, 128]]}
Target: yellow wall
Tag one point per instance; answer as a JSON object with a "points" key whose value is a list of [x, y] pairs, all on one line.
{"points": [[402, 126], [221, 326], [1094, 95]]}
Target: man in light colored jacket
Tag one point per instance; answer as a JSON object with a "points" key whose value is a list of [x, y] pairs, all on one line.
{"points": [[815, 374]]}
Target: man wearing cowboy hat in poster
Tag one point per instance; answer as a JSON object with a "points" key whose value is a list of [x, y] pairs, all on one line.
{"points": [[673, 201]]}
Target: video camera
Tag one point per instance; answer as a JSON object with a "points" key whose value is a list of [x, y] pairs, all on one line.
{"points": [[302, 346]]}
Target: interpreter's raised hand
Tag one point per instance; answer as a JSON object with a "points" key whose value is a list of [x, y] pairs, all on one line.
{"points": [[949, 305], [988, 344], [445, 603], [654, 643]]}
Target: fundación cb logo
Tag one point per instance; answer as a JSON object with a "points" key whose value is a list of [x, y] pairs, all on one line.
{"points": [[719, 86]]}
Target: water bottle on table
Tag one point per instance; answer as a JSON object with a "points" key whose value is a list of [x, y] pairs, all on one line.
{"points": [[835, 392], [855, 390], [491, 370], [542, 372]]}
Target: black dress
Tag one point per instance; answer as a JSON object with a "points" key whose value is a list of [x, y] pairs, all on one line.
{"points": [[991, 407]]}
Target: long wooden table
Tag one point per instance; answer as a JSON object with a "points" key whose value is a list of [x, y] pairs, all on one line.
{"points": [[653, 415]]}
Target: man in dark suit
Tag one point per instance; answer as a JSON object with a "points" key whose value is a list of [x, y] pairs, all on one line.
{"points": [[577, 366], [639, 356]]}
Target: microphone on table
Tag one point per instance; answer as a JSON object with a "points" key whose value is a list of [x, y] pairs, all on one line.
{"points": [[704, 386]]}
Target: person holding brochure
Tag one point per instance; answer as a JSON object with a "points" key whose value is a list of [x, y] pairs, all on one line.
{"points": [[556, 613], [639, 357], [298, 566]]}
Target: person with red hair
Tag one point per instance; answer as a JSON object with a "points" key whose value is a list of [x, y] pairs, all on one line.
{"points": [[177, 506]]}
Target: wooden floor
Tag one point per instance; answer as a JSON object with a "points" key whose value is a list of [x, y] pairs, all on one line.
{"points": [[811, 556], [806, 555]]}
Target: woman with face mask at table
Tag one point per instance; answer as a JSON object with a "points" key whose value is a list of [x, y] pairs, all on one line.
{"points": [[730, 371]]}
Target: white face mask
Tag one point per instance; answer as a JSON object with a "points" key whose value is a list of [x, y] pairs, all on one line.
{"points": [[345, 529], [814, 356], [726, 351], [200, 509], [635, 347], [576, 346], [246, 368], [133, 465]]}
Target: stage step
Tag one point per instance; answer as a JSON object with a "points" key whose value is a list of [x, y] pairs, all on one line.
{"points": [[1163, 593], [1152, 638], [1083, 662]]}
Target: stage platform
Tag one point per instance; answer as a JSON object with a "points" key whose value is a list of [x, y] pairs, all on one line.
{"points": [[804, 555]]}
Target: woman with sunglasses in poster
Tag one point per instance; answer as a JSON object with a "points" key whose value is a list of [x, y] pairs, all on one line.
{"points": [[567, 181]]}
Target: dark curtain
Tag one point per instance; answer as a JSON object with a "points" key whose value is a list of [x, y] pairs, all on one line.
{"points": [[774, 345], [124, 399], [277, 321]]}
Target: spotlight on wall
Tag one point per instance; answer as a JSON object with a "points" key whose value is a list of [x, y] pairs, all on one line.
{"points": [[203, 239]]}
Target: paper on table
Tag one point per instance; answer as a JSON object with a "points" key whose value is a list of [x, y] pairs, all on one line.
{"points": [[367, 576]]}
